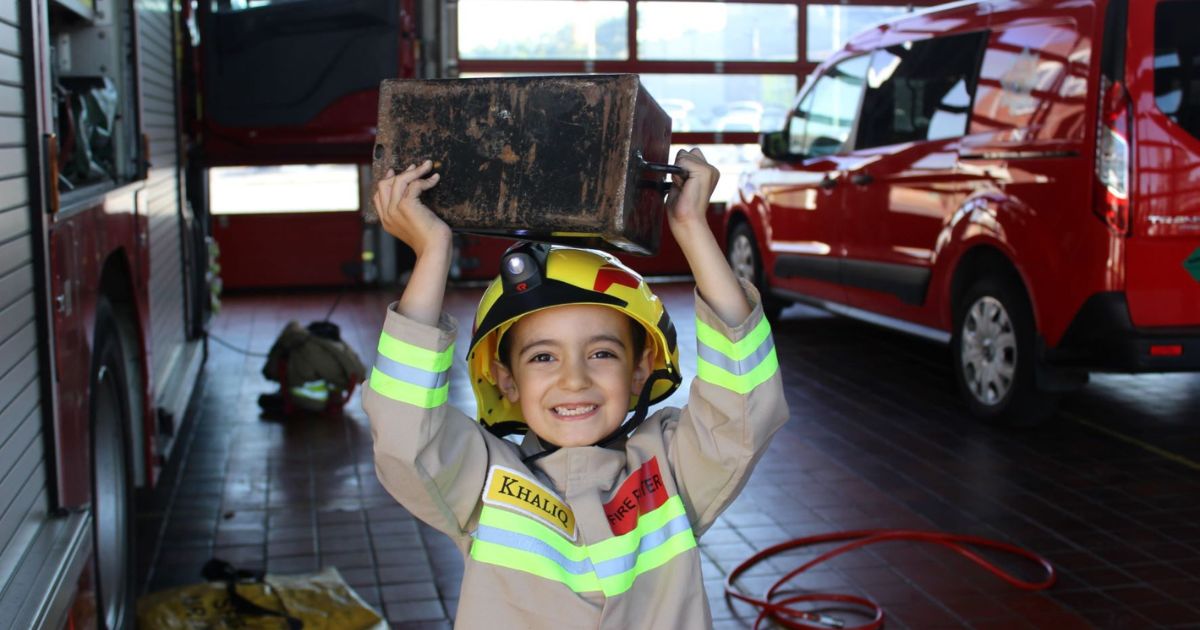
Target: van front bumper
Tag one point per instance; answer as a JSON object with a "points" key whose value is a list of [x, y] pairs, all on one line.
{"points": [[1103, 338]]}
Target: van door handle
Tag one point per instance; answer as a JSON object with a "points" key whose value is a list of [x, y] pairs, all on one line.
{"points": [[827, 183], [861, 179]]}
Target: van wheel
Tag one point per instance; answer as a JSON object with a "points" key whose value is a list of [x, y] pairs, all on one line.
{"points": [[112, 479], [746, 262], [994, 358]]}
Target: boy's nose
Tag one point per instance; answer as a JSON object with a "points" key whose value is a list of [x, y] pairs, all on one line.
{"points": [[575, 375]]}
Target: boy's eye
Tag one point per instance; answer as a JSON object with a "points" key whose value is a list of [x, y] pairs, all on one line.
{"points": [[540, 357], [604, 354]]}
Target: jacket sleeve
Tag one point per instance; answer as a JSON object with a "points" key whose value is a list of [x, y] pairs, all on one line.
{"points": [[430, 456], [735, 405]]}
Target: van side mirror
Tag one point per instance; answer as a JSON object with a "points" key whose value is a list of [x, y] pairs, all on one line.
{"points": [[774, 145]]}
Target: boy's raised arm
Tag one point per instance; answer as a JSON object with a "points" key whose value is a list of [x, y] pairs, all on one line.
{"points": [[403, 215], [687, 205]]}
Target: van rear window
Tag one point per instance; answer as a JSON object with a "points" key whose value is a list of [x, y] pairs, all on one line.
{"points": [[1177, 63]]}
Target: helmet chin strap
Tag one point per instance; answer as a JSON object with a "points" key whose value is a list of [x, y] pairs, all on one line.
{"points": [[640, 410]]}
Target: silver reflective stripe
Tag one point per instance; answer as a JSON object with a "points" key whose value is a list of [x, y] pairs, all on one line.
{"points": [[620, 565], [737, 368], [410, 374], [523, 542]]}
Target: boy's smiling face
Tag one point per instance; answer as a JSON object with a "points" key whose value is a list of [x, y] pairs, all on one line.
{"points": [[572, 371]]}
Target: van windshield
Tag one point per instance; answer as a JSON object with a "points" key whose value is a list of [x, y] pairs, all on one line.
{"points": [[1177, 63]]}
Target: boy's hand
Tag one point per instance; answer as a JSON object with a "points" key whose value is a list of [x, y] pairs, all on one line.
{"points": [[687, 205], [687, 202], [398, 201]]}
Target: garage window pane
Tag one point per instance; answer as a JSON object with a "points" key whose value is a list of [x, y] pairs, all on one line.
{"points": [[708, 31], [830, 25], [275, 189], [731, 159], [723, 102], [542, 29]]}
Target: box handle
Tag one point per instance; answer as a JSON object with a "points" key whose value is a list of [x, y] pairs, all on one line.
{"points": [[656, 167]]}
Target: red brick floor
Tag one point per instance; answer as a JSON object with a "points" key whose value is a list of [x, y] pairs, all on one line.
{"points": [[877, 439]]}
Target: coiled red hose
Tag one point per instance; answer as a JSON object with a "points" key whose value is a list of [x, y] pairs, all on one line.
{"points": [[781, 611]]}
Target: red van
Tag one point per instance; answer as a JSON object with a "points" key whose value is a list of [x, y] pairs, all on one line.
{"points": [[1019, 179]]}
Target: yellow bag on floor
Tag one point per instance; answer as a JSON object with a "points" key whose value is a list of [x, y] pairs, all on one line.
{"points": [[315, 601]]}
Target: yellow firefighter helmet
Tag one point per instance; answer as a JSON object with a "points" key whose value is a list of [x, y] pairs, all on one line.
{"points": [[535, 276]]}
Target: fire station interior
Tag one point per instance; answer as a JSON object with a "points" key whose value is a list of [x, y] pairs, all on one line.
{"points": [[1082, 516]]}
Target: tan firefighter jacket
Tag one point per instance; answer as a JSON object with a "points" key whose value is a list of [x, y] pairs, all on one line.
{"points": [[585, 537]]}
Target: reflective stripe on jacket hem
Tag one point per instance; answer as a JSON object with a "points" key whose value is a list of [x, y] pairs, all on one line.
{"points": [[611, 566]]}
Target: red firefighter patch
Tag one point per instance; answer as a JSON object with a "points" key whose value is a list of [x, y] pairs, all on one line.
{"points": [[642, 492]]}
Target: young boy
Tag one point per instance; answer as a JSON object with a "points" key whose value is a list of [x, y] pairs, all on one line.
{"points": [[584, 524]]}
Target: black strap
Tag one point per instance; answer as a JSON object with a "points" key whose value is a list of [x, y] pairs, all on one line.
{"points": [[216, 570], [640, 411]]}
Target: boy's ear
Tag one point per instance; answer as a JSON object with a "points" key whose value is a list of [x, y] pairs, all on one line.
{"points": [[642, 368], [505, 381]]}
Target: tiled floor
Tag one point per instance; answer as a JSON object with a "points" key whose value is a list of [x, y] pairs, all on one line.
{"points": [[877, 439]]}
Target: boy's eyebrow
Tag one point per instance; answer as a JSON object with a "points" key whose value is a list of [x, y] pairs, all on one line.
{"points": [[550, 342], [607, 337]]}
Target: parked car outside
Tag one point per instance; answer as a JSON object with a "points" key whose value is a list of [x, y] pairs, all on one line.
{"points": [[680, 111], [1020, 181], [739, 116]]}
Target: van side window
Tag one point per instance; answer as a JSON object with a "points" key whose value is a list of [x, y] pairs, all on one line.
{"points": [[1177, 63], [825, 116], [920, 91]]}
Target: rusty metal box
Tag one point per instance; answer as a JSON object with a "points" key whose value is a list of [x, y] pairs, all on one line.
{"points": [[558, 158]]}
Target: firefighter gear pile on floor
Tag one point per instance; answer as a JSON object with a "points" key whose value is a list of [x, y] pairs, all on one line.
{"points": [[245, 600], [315, 369], [580, 536]]}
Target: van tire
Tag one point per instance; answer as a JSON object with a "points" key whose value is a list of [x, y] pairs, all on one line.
{"points": [[745, 259], [112, 476], [994, 357]]}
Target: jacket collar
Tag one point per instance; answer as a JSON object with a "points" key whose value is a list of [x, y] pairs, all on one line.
{"points": [[576, 467]]}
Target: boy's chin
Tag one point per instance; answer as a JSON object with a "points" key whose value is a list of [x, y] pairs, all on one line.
{"points": [[578, 437]]}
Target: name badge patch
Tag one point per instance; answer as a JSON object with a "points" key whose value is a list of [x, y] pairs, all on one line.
{"points": [[642, 492], [508, 488]]}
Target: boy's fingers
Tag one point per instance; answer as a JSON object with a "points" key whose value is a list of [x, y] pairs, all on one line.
{"points": [[415, 170], [691, 161], [421, 185], [382, 194]]}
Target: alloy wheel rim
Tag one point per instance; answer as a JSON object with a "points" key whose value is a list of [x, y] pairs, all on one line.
{"points": [[989, 351], [741, 258]]}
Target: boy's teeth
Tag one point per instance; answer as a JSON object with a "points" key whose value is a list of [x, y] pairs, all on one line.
{"points": [[573, 411]]}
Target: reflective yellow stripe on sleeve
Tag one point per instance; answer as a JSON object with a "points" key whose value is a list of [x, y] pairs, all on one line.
{"points": [[612, 566], [739, 366], [411, 374]]}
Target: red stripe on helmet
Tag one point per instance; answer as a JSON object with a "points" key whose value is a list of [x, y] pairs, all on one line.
{"points": [[607, 276]]}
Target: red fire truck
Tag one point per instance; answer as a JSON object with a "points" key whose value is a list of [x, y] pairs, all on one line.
{"points": [[103, 297], [111, 114]]}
